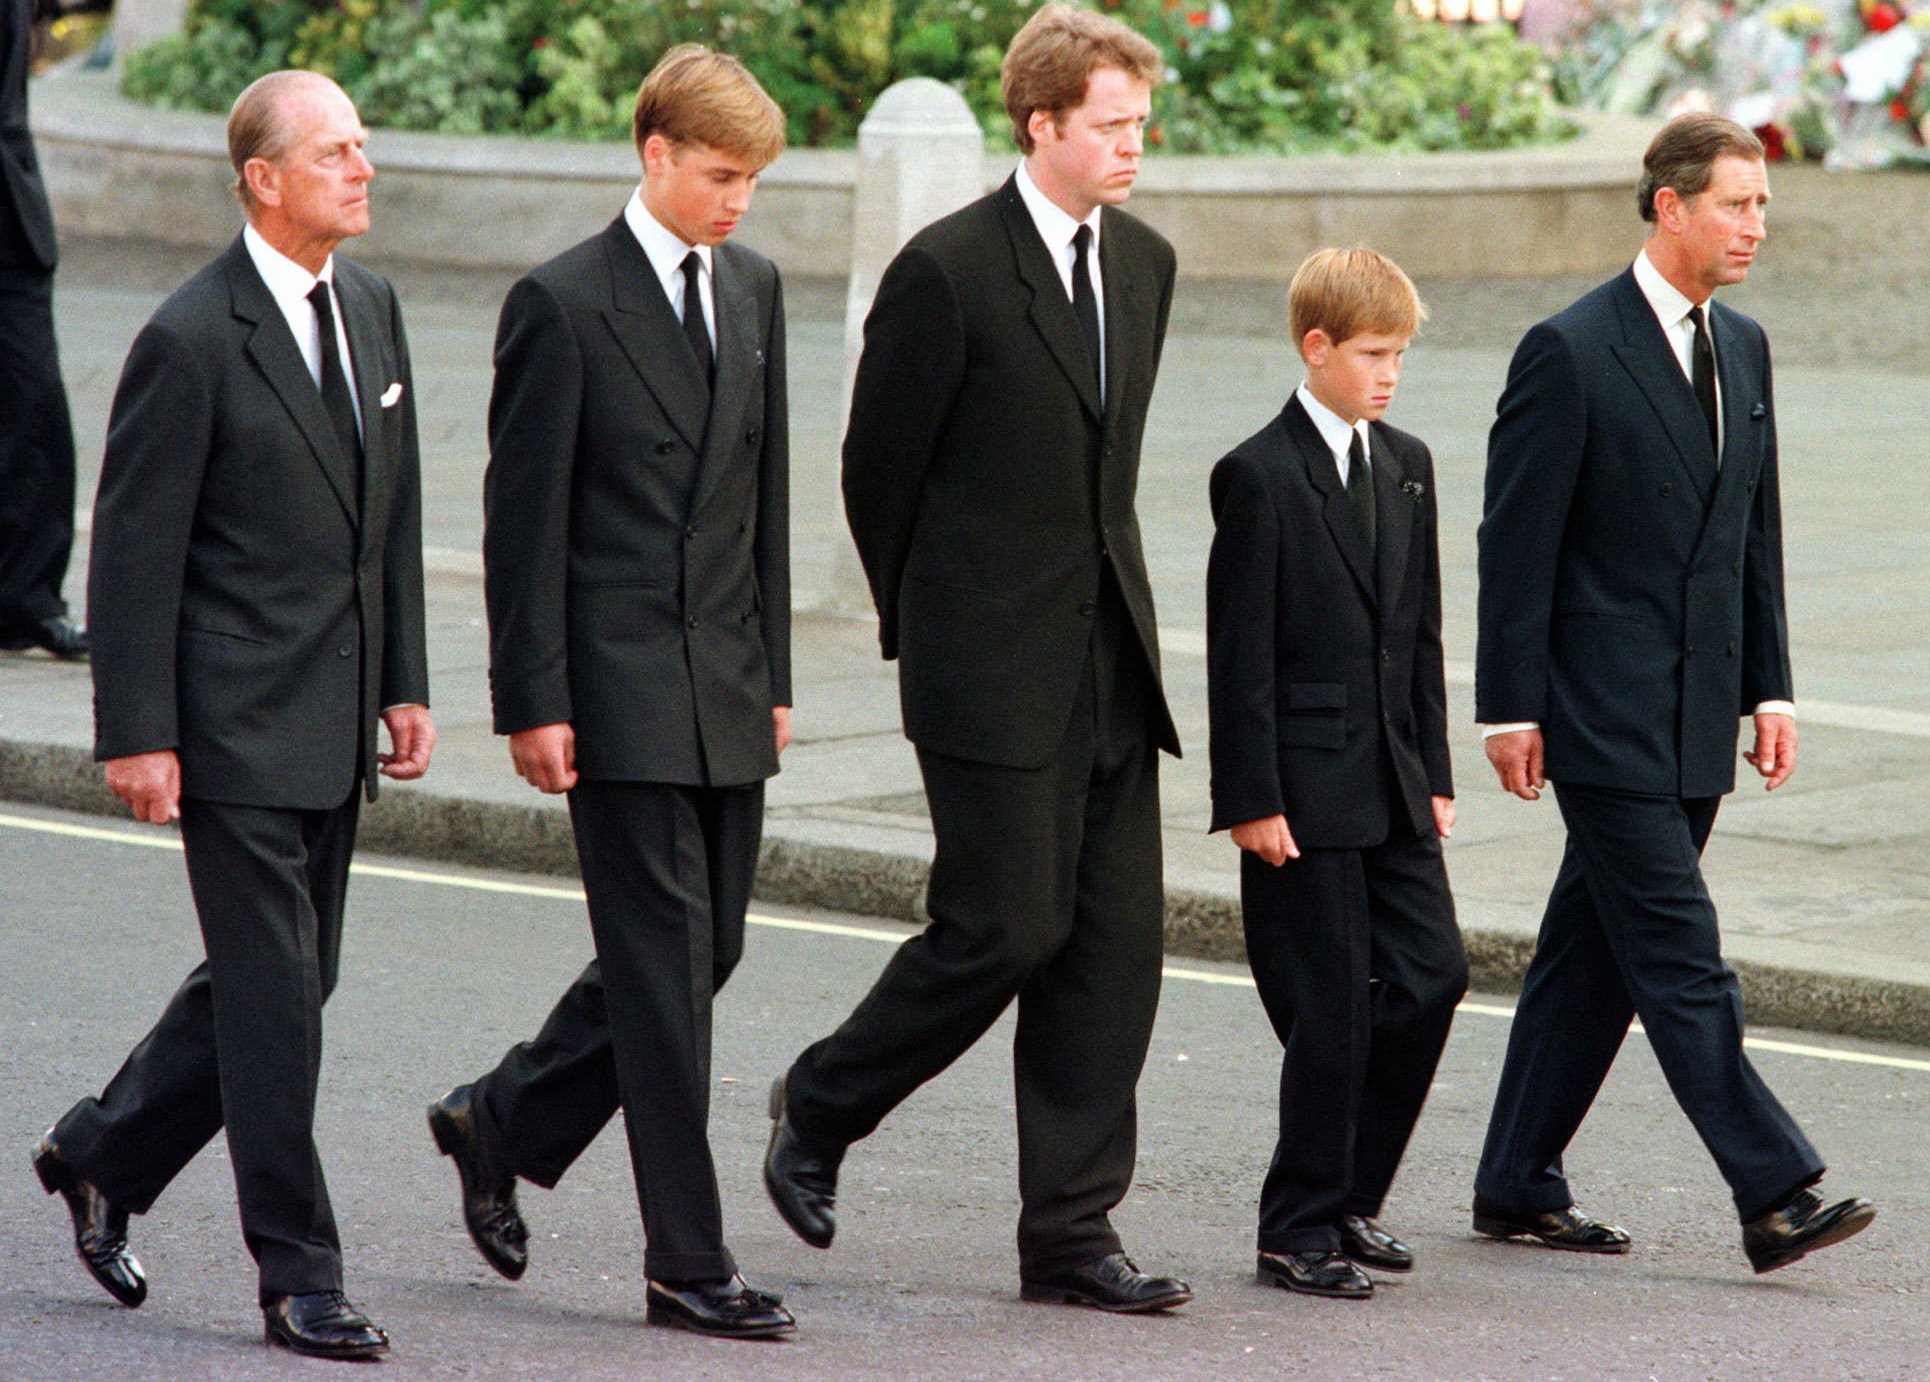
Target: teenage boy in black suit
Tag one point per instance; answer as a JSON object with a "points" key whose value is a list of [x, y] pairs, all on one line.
{"points": [[1330, 768], [637, 565]]}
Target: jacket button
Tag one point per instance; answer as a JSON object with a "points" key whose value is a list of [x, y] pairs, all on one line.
{"points": [[691, 530], [666, 446], [751, 436], [692, 621], [1087, 607], [1732, 648], [345, 651], [1691, 652], [1736, 569], [1386, 656], [1667, 489]]}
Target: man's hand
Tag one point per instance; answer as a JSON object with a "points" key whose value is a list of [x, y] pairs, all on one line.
{"points": [[1517, 762], [412, 738], [1775, 753], [781, 718], [1443, 817], [1267, 837], [545, 757], [150, 783]]}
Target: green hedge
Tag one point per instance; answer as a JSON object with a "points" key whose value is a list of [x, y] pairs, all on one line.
{"points": [[1264, 75]]}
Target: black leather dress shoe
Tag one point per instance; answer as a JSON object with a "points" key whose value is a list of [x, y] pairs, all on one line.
{"points": [[1317, 1272], [488, 1193], [1805, 1224], [1568, 1228], [322, 1324], [723, 1309], [57, 634], [802, 1180], [1110, 1283], [100, 1230], [1365, 1242]]}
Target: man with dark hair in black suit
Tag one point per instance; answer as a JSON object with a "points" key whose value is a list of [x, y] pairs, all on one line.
{"points": [[36, 434], [1631, 612]]}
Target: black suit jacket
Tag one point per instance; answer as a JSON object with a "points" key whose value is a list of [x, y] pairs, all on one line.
{"points": [[247, 608], [986, 486], [1324, 658], [637, 552], [26, 221], [1631, 594]]}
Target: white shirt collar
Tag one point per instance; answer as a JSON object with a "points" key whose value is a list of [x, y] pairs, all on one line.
{"points": [[1664, 298], [1056, 227], [288, 282], [661, 246], [1333, 428]]}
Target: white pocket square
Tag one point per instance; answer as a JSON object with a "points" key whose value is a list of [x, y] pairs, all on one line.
{"points": [[391, 394]]}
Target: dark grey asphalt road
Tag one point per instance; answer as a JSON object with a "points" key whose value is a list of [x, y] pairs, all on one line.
{"points": [[441, 973]]}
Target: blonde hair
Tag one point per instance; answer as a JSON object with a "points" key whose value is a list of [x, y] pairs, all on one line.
{"points": [[696, 96], [258, 124], [1346, 293], [1054, 55]]}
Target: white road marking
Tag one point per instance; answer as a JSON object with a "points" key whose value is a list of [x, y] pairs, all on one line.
{"points": [[148, 838]]}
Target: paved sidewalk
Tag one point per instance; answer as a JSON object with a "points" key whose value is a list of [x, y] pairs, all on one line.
{"points": [[1824, 888]]}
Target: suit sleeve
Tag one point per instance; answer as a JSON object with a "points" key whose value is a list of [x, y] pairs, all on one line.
{"points": [[158, 434], [1766, 674], [1242, 584], [772, 554], [908, 376], [1534, 460], [534, 407], [405, 656], [1429, 692]]}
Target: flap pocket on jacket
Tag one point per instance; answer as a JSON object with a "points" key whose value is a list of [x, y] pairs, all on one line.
{"points": [[1316, 695]]}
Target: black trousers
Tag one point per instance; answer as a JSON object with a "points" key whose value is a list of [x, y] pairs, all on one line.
{"points": [[668, 873], [36, 453], [239, 1045], [1630, 931], [1359, 965], [1045, 888]]}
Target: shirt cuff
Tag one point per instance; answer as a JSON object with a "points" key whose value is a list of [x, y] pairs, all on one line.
{"points": [[1512, 727], [1776, 708]]}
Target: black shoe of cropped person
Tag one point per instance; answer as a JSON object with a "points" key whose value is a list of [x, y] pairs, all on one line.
{"points": [[56, 634], [322, 1324], [802, 1180], [489, 1209], [100, 1230], [1366, 1243], [1110, 1283], [1568, 1228], [727, 1309], [1801, 1226], [1316, 1272]]}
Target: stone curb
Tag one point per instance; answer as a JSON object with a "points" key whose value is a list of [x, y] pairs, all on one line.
{"points": [[1199, 924]]}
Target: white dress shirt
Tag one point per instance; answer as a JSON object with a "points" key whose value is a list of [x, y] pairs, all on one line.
{"points": [[1057, 228], [289, 284], [666, 251], [1335, 431], [1672, 310]]}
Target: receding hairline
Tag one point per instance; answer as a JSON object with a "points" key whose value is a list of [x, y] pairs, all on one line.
{"points": [[260, 123]]}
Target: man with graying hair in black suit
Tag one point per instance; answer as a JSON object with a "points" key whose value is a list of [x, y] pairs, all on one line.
{"points": [[36, 434], [1631, 612], [256, 592]]}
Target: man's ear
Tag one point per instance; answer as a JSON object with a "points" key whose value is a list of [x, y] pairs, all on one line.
{"points": [[1670, 207], [264, 181], [1039, 124], [1315, 347]]}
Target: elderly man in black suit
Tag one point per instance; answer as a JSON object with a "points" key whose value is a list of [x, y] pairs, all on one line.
{"points": [[256, 590], [36, 434], [989, 473], [1631, 612], [638, 580]]}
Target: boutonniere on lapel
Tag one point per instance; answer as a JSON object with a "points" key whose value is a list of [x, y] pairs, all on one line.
{"points": [[1413, 489]]}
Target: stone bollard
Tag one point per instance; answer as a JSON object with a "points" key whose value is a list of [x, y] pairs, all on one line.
{"points": [[921, 154], [138, 23]]}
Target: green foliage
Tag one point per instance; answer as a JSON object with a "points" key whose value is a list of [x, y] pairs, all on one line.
{"points": [[1253, 76]]}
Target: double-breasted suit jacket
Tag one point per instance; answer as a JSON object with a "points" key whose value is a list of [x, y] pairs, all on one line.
{"points": [[1325, 655], [1631, 595], [26, 220], [639, 585], [255, 605]]}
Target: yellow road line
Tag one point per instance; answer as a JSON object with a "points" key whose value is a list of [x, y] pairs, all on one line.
{"points": [[137, 835]]}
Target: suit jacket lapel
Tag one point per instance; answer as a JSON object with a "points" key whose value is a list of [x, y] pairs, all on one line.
{"points": [[1337, 509], [360, 319], [739, 357], [1051, 308], [1129, 312], [1393, 518], [1738, 398], [272, 347], [1646, 354], [650, 334]]}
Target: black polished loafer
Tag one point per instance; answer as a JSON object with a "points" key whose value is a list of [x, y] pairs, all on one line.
{"points": [[1316, 1272], [722, 1309], [322, 1324], [1110, 1283], [802, 1180], [489, 1209], [1800, 1227], [1365, 1242], [100, 1230], [1568, 1228], [56, 634]]}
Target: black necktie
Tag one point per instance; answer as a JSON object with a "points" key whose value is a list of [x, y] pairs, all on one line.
{"points": [[1084, 305], [335, 395], [1360, 488], [694, 331], [1702, 373]]}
